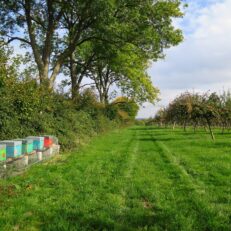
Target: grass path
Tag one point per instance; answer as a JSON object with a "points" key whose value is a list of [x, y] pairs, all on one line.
{"points": [[140, 178]]}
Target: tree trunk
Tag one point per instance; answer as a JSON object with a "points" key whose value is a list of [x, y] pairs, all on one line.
{"points": [[210, 131], [223, 128], [106, 101], [174, 125], [73, 77], [105, 95], [194, 127], [185, 123]]}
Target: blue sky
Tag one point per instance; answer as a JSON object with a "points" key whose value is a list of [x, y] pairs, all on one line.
{"points": [[203, 61]]}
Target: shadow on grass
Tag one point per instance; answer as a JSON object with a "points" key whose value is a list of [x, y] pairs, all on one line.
{"points": [[143, 128], [73, 220], [160, 139], [214, 145]]}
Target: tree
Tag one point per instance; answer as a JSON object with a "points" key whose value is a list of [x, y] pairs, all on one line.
{"points": [[225, 110], [54, 30], [124, 68], [123, 108], [43, 27], [121, 59], [195, 109], [180, 109], [210, 107]]}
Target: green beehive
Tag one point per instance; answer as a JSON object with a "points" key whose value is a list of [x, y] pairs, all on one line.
{"points": [[2, 152]]}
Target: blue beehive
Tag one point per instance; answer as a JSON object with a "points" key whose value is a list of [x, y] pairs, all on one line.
{"points": [[38, 142], [13, 148]]}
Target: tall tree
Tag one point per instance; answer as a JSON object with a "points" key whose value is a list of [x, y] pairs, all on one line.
{"points": [[42, 25], [54, 29], [144, 26]]}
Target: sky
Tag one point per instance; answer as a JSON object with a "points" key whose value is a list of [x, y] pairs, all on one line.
{"points": [[202, 62]]}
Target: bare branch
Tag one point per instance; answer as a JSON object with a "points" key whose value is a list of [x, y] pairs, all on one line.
{"points": [[87, 84], [11, 39]]}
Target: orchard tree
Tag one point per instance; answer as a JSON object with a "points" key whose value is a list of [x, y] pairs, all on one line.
{"points": [[210, 107], [225, 110], [161, 117], [195, 109], [181, 109]]}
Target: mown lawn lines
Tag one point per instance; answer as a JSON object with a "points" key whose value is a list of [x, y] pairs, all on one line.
{"points": [[200, 192], [208, 164], [186, 190]]}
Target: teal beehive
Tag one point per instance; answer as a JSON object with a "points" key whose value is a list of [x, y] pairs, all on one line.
{"points": [[38, 142], [27, 146], [13, 148]]}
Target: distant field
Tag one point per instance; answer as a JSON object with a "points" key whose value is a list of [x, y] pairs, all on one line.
{"points": [[140, 178]]}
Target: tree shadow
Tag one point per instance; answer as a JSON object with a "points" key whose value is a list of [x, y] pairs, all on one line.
{"points": [[159, 139], [143, 128], [214, 144], [75, 220]]}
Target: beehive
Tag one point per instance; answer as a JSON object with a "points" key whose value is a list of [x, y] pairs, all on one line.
{"points": [[27, 146], [2, 152], [38, 142], [48, 141], [13, 148]]}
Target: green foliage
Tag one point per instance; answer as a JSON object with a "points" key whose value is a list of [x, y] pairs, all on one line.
{"points": [[127, 105], [110, 42], [28, 108], [123, 109], [80, 37]]}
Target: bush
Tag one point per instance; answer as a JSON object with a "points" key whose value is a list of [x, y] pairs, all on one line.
{"points": [[27, 108]]}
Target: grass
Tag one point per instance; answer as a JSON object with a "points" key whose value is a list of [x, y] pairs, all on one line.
{"points": [[141, 178]]}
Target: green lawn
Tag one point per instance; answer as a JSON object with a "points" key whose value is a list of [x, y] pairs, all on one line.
{"points": [[140, 178]]}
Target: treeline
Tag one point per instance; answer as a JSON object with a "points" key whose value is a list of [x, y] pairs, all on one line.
{"points": [[206, 110], [100, 48]]}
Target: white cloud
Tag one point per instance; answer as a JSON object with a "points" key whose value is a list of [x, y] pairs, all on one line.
{"points": [[202, 61]]}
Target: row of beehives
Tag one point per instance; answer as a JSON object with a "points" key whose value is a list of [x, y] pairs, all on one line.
{"points": [[17, 155], [11, 149]]}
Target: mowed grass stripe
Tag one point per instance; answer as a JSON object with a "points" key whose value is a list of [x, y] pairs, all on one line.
{"points": [[161, 194], [196, 196], [187, 210], [208, 163]]}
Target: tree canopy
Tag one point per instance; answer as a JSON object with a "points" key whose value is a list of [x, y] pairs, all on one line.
{"points": [[118, 37]]}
